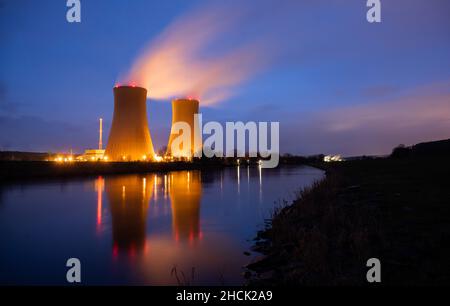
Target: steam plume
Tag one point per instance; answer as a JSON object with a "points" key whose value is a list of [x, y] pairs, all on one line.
{"points": [[178, 63]]}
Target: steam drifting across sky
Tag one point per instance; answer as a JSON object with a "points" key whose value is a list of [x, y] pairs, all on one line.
{"points": [[190, 59]]}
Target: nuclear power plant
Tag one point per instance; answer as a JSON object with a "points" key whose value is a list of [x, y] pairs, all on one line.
{"points": [[129, 137], [184, 110]]}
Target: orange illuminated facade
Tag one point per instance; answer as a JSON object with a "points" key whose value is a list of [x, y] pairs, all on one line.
{"points": [[129, 137], [184, 110]]}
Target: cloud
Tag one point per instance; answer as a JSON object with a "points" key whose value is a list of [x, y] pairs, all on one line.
{"points": [[175, 64], [210, 51], [379, 91], [375, 128]]}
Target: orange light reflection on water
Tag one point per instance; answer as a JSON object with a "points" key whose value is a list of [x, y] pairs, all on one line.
{"points": [[132, 216], [99, 186]]}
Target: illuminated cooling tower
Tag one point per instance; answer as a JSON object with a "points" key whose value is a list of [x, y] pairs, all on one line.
{"points": [[129, 138], [183, 110]]}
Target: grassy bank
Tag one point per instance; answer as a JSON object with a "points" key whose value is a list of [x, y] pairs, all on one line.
{"points": [[397, 210]]}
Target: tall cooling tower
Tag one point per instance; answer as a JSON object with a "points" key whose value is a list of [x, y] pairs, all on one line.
{"points": [[129, 138], [183, 110]]}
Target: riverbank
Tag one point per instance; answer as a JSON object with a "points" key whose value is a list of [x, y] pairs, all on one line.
{"points": [[397, 210], [22, 170]]}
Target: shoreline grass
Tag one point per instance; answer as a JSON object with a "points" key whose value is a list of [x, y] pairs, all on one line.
{"points": [[397, 210]]}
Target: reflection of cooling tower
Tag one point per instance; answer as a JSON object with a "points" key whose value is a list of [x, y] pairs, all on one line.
{"points": [[185, 192], [183, 110], [129, 198], [129, 138]]}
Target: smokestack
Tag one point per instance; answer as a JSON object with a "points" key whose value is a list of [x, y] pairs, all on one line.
{"points": [[129, 138], [183, 110], [100, 136]]}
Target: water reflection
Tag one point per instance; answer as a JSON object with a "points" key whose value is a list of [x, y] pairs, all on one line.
{"points": [[185, 193], [134, 229], [99, 187], [129, 198]]}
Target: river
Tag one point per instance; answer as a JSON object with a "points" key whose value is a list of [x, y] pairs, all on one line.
{"points": [[182, 227]]}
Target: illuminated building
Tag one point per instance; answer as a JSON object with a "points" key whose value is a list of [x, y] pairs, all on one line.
{"points": [[332, 158], [95, 154]]}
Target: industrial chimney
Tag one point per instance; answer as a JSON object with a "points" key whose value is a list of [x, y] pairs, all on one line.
{"points": [[129, 138], [183, 110]]}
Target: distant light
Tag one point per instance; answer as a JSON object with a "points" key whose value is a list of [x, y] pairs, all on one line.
{"points": [[332, 158], [158, 158]]}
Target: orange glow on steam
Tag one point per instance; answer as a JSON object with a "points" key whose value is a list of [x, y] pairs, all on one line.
{"points": [[174, 64]]}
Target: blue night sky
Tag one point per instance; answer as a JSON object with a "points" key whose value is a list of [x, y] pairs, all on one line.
{"points": [[336, 83]]}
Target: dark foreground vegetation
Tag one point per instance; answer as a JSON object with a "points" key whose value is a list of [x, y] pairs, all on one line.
{"points": [[396, 209]]}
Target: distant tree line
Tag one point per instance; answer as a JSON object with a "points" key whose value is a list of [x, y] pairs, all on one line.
{"points": [[424, 149]]}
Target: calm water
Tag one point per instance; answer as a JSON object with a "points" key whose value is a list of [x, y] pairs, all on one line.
{"points": [[134, 229]]}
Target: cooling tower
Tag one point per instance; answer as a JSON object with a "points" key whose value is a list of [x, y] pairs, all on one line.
{"points": [[183, 110], [129, 138]]}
